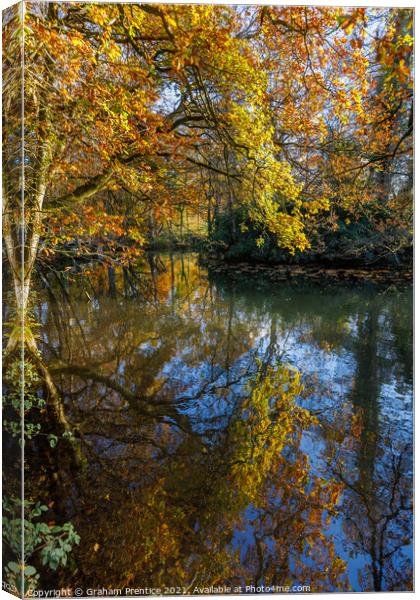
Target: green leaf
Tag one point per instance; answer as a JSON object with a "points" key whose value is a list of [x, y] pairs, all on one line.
{"points": [[14, 567], [30, 570], [53, 439]]}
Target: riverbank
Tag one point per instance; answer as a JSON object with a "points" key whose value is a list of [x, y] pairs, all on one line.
{"points": [[215, 255], [312, 272]]}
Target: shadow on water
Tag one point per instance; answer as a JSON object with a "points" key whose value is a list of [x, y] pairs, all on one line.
{"points": [[211, 460]]}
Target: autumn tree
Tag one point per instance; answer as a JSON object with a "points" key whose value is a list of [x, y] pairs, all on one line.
{"points": [[342, 119], [95, 118]]}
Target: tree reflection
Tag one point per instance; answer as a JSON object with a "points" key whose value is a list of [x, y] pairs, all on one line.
{"points": [[376, 508], [193, 429], [374, 465], [233, 505]]}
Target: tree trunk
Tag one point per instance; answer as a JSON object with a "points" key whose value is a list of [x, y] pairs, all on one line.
{"points": [[21, 241]]}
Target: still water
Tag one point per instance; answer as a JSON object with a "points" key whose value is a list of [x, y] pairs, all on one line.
{"points": [[239, 432]]}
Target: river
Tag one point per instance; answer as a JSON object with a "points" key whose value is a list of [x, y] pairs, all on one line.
{"points": [[239, 431]]}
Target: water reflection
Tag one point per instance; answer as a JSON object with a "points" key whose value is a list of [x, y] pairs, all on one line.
{"points": [[202, 469]]}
